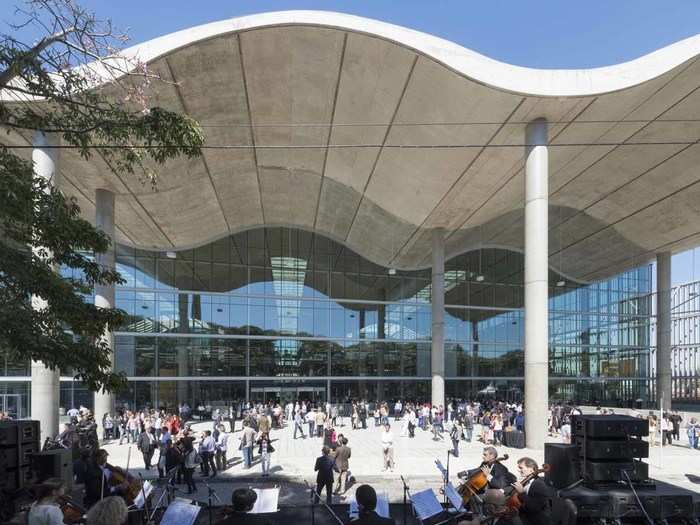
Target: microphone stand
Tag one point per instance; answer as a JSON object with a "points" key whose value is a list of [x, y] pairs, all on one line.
{"points": [[210, 493], [406, 495], [312, 502]]}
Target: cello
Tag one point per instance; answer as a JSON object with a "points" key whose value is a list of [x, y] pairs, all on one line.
{"points": [[119, 476], [478, 481]]}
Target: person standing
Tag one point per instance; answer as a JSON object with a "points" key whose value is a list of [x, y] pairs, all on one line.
{"points": [[468, 426], [247, 441], [265, 451], [221, 448], [666, 430], [455, 436], [676, 421], [298, 424], [207, 449], [388, 448], [342, 464], [320, 420], [411, 422], [324, 477], [311, 421], [147, 443], [693, 433], [191, 460]]}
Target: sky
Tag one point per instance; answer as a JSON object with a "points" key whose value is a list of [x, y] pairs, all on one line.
{"points": [[532, 33]]}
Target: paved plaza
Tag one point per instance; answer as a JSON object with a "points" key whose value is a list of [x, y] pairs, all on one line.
{"points": [[293, 461]]}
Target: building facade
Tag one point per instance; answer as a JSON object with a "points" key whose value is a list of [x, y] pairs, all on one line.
{"points": [[279, 313]]}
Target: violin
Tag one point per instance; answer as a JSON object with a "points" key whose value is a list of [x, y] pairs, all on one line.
{"points": [[119, 476], [72, 511], [478, 480], [514, 499]]}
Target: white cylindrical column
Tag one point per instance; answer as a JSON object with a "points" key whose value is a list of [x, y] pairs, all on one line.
{"points": [[45, 386], [536, 284], [437, 298], [663, 331], [104, 294]]}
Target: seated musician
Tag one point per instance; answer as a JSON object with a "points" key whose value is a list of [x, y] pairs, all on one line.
{"points": [[97, 480], [243, 501], [366, 503], [46, 510], [536, 496], [498, 475]]}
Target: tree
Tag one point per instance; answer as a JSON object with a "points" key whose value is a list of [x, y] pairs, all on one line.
{"points": [[57, 86]]}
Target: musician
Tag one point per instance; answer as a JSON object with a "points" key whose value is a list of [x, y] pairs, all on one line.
{"points": [[46, 510], [366, 498], [536, 495], [97, 485], [243, 501], [109, 511], [497, 474]]}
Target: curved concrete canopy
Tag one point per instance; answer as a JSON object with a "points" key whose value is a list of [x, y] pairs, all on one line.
{"points": [[373, 135]]}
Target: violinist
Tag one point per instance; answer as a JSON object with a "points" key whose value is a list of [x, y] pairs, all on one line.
{"points": [[497, 475], [535, 495], [46, 509], [97, 480]]}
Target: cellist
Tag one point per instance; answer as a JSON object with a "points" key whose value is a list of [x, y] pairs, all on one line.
{"points": [[497, 474], [97, 480], [535, 495]]}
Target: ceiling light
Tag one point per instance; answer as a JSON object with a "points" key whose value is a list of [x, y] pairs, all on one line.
{"points": [[561, 283], [392, 271], [479, 278], [171, 255]]}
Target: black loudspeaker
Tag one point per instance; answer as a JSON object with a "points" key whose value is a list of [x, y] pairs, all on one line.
{"points": [[54, 464], [563, 461], [612, 448], [612, 426], [17, 455], [17, 478], [606, 471], [590, 503], [13, 432]]}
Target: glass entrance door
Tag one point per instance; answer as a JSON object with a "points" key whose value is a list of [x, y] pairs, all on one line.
{"points": [[10, 404], [314, 392]]}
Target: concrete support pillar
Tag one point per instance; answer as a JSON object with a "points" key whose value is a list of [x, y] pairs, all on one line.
{"points": [[45, 386], [536, 284], [104, 294], [663, 330], [437, 297]]}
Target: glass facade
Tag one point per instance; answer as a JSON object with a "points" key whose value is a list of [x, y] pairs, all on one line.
{"points": [[280, 313]]}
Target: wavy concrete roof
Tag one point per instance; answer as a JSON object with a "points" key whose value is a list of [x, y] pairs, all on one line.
{"points": [[373, 134]]}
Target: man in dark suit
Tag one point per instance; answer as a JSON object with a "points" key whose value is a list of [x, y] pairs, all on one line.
{"points": [[342, 465], [536, 495], [366, 499], [498, 475], [324, 466]]}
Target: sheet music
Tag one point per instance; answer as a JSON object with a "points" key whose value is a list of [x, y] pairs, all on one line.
{"points": [[382, 508], [441, 468], [453, 497], [267, 500], [139, 500], [180, 513], [426, 504]]}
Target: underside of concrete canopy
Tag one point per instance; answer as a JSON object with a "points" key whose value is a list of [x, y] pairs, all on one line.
{"points": [[373, 135]]}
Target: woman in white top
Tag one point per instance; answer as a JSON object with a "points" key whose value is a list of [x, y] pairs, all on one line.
{"points": [[388, 448], [46, 509]]}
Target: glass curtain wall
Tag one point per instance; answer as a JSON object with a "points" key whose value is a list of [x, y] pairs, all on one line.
{"points": [[280, 313]]}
